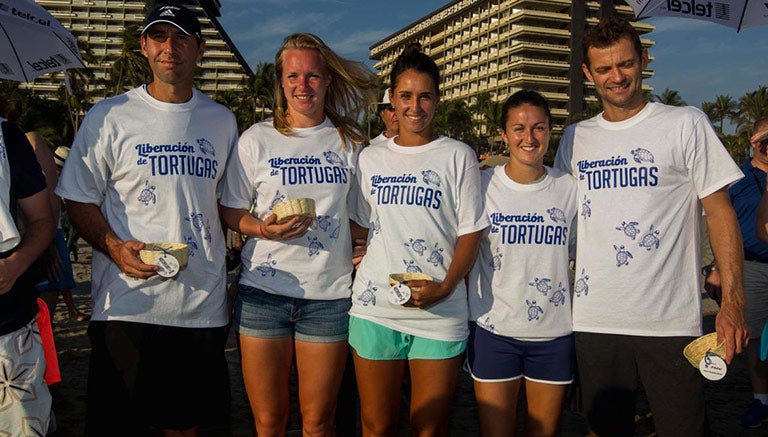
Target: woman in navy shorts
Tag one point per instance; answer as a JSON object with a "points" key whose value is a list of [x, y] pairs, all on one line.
{"points": [[519, 287], [295, 285]]}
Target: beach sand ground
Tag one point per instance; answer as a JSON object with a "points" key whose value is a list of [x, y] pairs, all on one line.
{"points": [[724, 399]]}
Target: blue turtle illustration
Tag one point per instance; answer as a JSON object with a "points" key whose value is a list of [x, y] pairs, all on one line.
{"points": [[533, 310], [315, 246], [496, 260], [629, 229], [641, 155], [207, 232], [333, 158], [334, 233], [650, 239], [586, 211], [376, 226], [206, 147], [147, 195], [2, 151], [436, 257], [368, 296], [411, 267], [191, 244], [431, 177], [557, 215], [267, 267], [622, 256], [542, 285], [488, 325], [279, 197], [558, 297], [417, 245], [196, 218], [324, 221], [581, 285]]}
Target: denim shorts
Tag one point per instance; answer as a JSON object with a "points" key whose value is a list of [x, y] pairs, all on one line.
{"points": [[496, 358], [378, 343], [264, 315]]}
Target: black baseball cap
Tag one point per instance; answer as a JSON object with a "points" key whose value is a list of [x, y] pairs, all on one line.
{"points": [[178, 16]]}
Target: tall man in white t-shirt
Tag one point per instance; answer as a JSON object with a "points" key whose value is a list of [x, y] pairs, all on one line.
{"points": [[145, 167], [644, 171]]}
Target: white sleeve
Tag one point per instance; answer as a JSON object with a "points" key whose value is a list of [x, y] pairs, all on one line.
{"points": [[239, 191], [565, 151]]}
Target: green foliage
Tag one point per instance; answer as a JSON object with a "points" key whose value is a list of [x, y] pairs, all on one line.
{"points": [[669, 97]]}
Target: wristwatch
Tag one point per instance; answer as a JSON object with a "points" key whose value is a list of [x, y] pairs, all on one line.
{"points": [[709, 268]]}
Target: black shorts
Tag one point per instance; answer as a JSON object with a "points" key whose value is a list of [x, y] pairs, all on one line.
{"points": [[609, 367], [144, 378]]}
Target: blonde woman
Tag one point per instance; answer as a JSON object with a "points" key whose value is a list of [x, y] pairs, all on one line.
{"points": [[295, 285]]}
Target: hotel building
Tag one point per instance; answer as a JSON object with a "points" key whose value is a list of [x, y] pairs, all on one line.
{"points": [[502, 46]]}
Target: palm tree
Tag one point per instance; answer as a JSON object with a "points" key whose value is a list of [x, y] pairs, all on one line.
{"points": [[454, 119], [258, 92], [130, 69], [752, 106], [725, 108], [669, 97]]}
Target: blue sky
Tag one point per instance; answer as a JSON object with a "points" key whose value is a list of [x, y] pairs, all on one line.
{"points": [[698, 59]]}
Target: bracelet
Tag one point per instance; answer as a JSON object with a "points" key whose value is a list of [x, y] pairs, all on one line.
{"points": [[261, 231], [709, 268]]}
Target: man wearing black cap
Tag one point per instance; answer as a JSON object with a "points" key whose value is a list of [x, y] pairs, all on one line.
{"points": [[145, 168]]}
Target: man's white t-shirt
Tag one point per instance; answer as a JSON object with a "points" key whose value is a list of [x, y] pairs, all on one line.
{"points": [[153, 168], [639, 185]]}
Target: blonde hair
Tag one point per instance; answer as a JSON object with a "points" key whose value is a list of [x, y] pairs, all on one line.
{"points": [[353, 86]]}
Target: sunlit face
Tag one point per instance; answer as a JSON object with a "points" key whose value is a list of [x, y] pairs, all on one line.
{"points": [[415, 101], [172, 54], [616, 71], [305, 80], [526, 133], [389, 118]]}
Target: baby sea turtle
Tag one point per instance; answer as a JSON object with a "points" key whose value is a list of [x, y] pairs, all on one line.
{"points": [[279, 197], [650, 239], [630, 229], [196, 218], [417, 245], [206, 147], [267, 267], [533, 310], [581, 285], [558, 297], [147, 195], [556, 214], [368, 295], [191, 244], [542, 285], [314, 245], [586, 211], [324, 221], [622, 256], [641, 155], [496, 260], [376, 226], [333, 158], [436, 257], [411, 267], [334, 233], [431, 177]]}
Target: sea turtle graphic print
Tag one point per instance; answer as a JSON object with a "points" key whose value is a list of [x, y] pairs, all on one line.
{"points": [[630, 229], [315, 246], [558, 297], [147, 195], [650, 240], [496, 260], [368, 296], [411, 267], [622, 256], [417, 245], [333, 158], [267, 267], [586, 211], [533, 310], [581, 285], [436, 257], [557, 215], [641, 155], [542, 285], [431, 177], [206, 147]]}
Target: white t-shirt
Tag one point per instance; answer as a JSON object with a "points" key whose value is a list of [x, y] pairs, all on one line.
{"points": [[416, 202], [639, 185], [154, 168], [379, 140], [520, 284], [270, 167]]}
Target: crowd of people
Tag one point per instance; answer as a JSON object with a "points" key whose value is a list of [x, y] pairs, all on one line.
{"points": [[414, 261]]}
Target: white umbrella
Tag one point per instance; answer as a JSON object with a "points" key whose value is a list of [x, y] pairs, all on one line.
{"points": [[33, 42], [738, 14]]}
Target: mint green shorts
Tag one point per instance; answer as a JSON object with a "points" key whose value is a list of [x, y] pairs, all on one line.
{"points": [[375, 342]]}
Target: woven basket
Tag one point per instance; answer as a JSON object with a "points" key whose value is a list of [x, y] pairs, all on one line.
{"points": [[303, 207], [153, 251], [697, 349], [396, 278]]}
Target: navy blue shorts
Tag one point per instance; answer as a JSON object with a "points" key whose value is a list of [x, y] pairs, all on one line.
{"points": [[495, 358]]}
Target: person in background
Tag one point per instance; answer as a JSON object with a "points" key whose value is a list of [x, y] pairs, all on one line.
{"points": [[519, 287], [420, 203], [644, 172], [26, 401], [145, 167], [387, 114], [295, 282]]}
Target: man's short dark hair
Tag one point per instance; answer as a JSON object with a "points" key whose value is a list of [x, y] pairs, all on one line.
{"points": [[607, 32]]}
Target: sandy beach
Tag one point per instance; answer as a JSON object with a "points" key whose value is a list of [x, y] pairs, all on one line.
{"points": [[725, 399]]}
